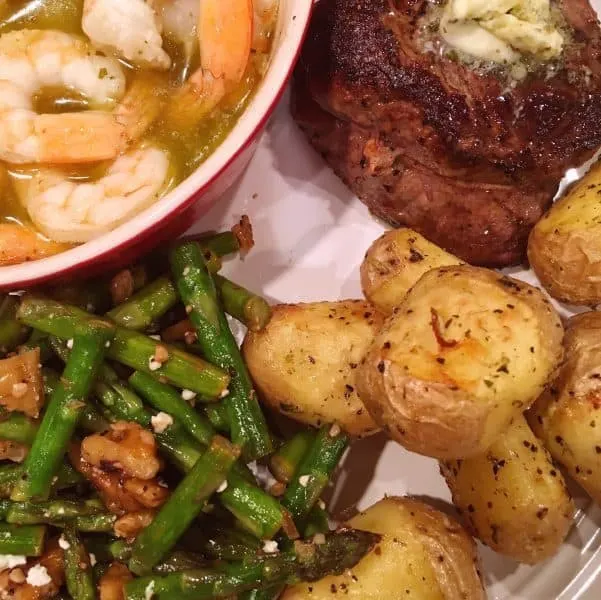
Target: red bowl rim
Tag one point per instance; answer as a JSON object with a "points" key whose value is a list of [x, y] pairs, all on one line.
{"points": [[293, 26]]}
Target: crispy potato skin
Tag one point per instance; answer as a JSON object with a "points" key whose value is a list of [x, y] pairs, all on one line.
{"points": [[564, 247], [512, 497], [567, 417], [304, 362], [465, 352], [423, 555], [395, 262]]}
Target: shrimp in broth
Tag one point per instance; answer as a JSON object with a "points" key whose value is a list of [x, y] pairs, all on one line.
{"points": [[105, 105]]}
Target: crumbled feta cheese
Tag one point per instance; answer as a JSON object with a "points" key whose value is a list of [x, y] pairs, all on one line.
{"points": [[149, 591], [161, 422], [321, 504], [270, 547], [153, 365], [107, 344], [155, 337], [38, 576], [188, 395], [70, 344], [19, 390], [304, 480], [188, 309], [224, 394], [319, 539], [222, 487], [63, 543], [335, 430], [186, 271], [9, 561], [93, 560]]}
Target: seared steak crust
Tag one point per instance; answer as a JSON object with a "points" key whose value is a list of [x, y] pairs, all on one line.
{"points": [[426, 142]]}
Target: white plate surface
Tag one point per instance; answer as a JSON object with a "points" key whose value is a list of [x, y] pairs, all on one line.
{"points": [[311, 234]]}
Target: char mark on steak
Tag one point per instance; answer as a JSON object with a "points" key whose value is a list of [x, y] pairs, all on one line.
{"points": [[426, 142]]}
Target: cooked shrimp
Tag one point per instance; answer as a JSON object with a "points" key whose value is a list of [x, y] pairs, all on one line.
{"points": [[33, 59], [265, 13], [225, 33], [70, 211], [20, 244], [131, 29]]}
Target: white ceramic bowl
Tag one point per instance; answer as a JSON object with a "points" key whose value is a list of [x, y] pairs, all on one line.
{"points": [[174, 213]]}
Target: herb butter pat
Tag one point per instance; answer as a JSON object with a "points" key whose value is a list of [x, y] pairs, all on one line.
{"points": [[501, 31]]}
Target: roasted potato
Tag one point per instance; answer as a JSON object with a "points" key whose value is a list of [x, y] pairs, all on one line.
{"points": [[465, 352], [512, 497], [395, 262], [304, 362], [564, 247], [567, 417], [423, 555]]}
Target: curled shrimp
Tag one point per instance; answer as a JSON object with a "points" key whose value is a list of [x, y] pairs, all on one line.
{"points": [[227, 32], [33, 59], [131, 29], [72, 211]]}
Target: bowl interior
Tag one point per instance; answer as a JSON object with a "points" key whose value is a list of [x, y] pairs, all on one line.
{"points": [[293, 20]]}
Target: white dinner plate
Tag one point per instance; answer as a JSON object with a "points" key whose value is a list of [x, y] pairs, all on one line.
{"points": [[311, 234]]}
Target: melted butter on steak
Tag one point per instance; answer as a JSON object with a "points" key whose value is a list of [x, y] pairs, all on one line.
{"points": [[508, 37]]}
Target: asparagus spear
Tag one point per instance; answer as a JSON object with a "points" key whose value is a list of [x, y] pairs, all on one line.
{"points": [[217, 415], [78, 571], [63, 411], [26, 540], [50, 512], [218, 541], [197, 290], [222, 244], [184, 505], [12, 333], [242, 304], [129, 347], [145, 307], [302, 562], [317, 522], [66, 477], [286, 460], [314, 472], [164, 398], [17, 427]]}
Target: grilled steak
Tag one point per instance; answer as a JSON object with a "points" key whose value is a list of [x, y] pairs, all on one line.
{"points": [[464, 157]]}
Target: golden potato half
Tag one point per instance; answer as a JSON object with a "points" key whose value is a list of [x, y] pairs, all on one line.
{"points": [[567, 417], [304, 362], [395, 262], [466, 351], [512, 496], [564, 247], [423, 555]]}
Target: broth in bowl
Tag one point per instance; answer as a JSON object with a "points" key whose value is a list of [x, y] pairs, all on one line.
{"points": [[107, 105]]}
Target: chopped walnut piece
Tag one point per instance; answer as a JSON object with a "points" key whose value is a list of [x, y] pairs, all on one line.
{"points": [[125, 447], [14, 451], [119, 493], [129, 525], [13, 583], [113, 581], [21, 387]]}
